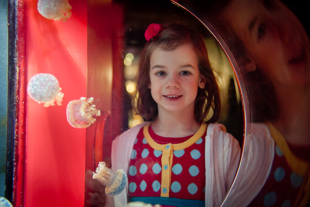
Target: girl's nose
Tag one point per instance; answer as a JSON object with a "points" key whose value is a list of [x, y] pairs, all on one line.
{"points": [[173, 81], [284, 27]]}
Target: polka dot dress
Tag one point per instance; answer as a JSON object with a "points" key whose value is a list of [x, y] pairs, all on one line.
{"points": [[167, 167], [283, 185]]}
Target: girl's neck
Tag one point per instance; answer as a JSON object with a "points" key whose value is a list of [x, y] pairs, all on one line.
{"points": [[175, 126], [294, 117]]}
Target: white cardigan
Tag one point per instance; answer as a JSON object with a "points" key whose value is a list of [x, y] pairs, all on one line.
{"points": [[255, 166], [222, 155]]}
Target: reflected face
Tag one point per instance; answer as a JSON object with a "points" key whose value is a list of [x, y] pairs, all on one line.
{"points": [[274, 38], [174, 79]]}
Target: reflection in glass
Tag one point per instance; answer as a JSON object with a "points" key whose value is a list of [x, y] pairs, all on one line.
{"points": [[273, 51]]}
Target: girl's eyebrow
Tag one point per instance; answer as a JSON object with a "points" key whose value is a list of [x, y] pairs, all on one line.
{"points": [[157, 67], [162, 66], [187, 66]]}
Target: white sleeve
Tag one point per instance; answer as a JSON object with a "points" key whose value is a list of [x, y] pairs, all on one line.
{"points": [[231, 154], [222, 161], [255, 165]]}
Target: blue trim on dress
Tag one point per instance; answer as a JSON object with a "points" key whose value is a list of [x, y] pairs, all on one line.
{"points": [[169, 201]]}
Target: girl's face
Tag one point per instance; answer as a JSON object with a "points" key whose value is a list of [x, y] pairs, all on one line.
{"points": [[174, 79], [274, 38]]}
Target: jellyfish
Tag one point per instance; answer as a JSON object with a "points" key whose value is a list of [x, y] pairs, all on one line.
{"points": [[80, 112], [44, 88], [55, 9], [115, 182], [5, 202]]}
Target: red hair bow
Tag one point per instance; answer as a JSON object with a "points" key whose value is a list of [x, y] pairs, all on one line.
{"points": [[151, 31]]}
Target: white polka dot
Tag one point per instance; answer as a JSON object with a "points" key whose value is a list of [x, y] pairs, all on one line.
{"points": [[132, 170], [179, 153], [192, 188], [175, 187], [193, 170], [156, 185], [296, 180], [279, 152], [136, 141], [156, 168], [145, 153], [144, 141], [143, 168], [143, 185], [132, 187], [199, 141], [286, 203], [279, 174], [177, 169], [157, 153], [195, 154], [270, 199], [133, 154]]}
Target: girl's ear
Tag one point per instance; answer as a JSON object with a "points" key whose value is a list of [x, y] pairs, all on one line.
{"points": [[202, 82], [149, 85]]}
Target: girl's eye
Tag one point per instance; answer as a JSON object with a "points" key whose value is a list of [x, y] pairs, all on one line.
{"points": [[160, 73], [185, 73], [261, 31]]}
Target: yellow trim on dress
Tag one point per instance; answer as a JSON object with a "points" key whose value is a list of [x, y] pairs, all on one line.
{"points": [[299, 166], [167, 154], [179, 146]]}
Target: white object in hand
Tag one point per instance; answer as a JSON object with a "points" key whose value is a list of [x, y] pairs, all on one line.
{"points": [[115, 182]]}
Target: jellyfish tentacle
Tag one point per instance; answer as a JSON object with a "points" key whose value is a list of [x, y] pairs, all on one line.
{"points": [[80, 113]]}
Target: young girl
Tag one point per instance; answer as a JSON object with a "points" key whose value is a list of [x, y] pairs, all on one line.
{"points": [[176, 157]]}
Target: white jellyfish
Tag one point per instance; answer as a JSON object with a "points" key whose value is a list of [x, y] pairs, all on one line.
{"points": [[115, 182], [44, 88], [80, 113], [5, 202], [55, 9]]}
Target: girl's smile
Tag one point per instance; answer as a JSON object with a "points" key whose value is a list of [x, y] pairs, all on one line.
{"points": [[172, 96]]}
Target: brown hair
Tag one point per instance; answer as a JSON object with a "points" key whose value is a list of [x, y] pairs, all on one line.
{"points": [[169, 38]]}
